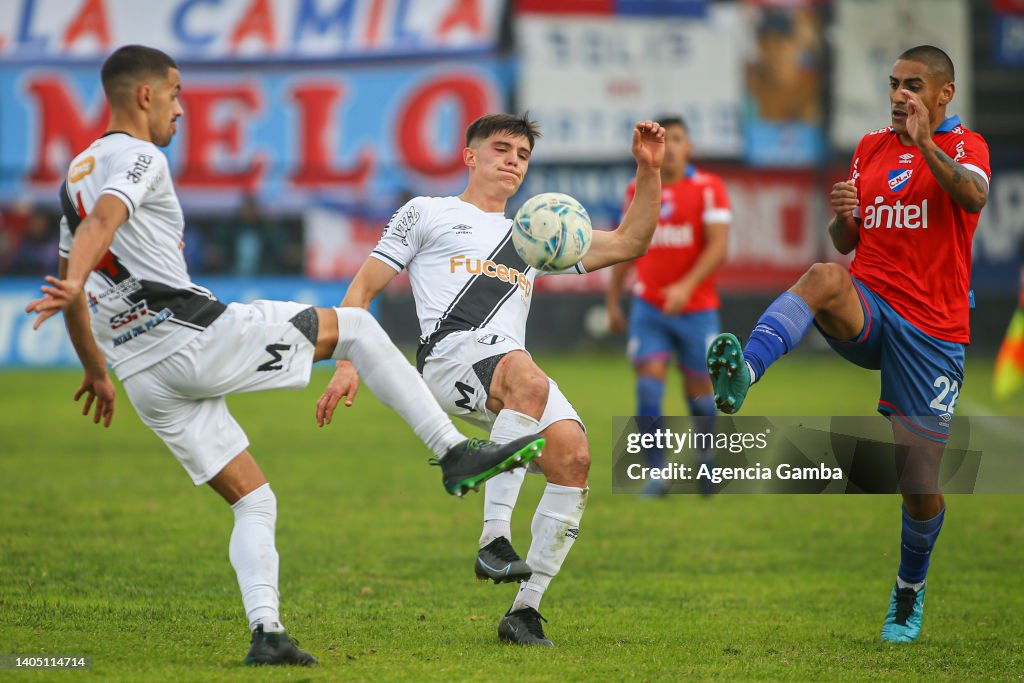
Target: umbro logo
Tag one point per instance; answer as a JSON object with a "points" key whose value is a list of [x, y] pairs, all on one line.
{"points": [[907, 158], [462, 229], [572, 532]]}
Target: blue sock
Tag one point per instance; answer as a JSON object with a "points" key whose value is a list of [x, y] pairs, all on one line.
{"points": [[703, 412], [782, 326], [917, 540], [649, 391]]}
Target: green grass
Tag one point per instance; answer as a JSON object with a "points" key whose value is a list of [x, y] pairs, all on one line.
{"points": [[107, 549]]}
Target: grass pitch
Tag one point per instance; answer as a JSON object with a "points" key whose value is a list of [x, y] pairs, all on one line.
{"points": [[106, 549]]}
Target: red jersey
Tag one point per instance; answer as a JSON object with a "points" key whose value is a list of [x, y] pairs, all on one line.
{"points": [[914, 248], [687, 205]]}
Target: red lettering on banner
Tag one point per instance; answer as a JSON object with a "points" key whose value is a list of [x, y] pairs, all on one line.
{"points": [[316, 104], [373, 30], [91, 19], [258, 20], [61, 121], [415, 142], [203, 135], [462, 12]]}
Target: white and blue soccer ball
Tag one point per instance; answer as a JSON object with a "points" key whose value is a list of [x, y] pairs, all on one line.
{"points": [[551, 231]]}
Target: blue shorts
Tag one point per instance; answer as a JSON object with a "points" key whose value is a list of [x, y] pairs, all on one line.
{"points": [[921, 375], [654, 335]]}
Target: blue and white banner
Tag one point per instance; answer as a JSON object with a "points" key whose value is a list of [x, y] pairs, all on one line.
{"points": [[32, 31], [49, 346], [291, 137]]}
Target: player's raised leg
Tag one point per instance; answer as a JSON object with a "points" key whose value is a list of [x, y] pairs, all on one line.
{"points": [[353, 334], [824, 294]]}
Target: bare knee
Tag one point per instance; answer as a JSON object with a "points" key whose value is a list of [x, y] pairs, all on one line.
{"points": [[327, 333], [657, 369], [240, 477], [821, 284], [518, 384], [566, 458]]}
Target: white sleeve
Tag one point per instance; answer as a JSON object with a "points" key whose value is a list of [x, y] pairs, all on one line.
{"points": [[133, 174], [576, 269], [403, 235], [66, 238]]}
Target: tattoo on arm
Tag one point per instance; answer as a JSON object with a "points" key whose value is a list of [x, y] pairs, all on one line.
{"points": [[962, 175]]}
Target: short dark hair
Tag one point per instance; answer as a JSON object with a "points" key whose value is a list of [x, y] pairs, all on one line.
{"points": [[937, 61], [673, 120], [488, 125], [130, 64]]}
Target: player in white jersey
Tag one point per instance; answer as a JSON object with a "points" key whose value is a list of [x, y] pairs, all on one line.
{"points": [[178, 351], [473, 296]]}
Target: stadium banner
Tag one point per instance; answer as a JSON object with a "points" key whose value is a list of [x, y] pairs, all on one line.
{"points": [[590, 79], [658, 8], [49, 346], [292, 137], [34, 31], [783, 121], [757, 454], [869, 36]]}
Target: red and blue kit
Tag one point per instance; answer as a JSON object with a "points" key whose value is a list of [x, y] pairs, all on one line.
{"points": [[915, 241], [687, 205]]}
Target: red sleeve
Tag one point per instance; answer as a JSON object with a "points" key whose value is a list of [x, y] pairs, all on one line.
{"points": [[716, 202], [970, 151], [856, 165], [720, 197]]}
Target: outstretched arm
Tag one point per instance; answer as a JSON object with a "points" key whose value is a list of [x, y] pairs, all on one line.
{"points": [[633, 236], [96, 384], [372, 277], [92, 240]]}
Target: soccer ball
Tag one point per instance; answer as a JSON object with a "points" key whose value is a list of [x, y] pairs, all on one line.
{"points": [[551, 231]]}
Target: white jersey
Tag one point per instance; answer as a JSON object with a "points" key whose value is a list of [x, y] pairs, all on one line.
{"points": [[144, 306], [465, 272]]}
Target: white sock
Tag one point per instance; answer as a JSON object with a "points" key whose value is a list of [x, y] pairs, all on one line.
{"points": [[555, 527], [753, 375], [900, 583], [254, 557], [502, 491], [394, 382], [500, 494]]}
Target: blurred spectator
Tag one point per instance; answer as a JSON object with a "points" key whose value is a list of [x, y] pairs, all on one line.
{"points": [[783, 77], [252, 243], [30, 241]]}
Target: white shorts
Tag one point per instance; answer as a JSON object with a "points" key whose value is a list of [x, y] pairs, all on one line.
{"points": [[250, 347], [459, 372]]}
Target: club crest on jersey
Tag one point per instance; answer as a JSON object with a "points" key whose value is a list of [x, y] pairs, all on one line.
{"points": [[667, 206], [898, 178]]}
